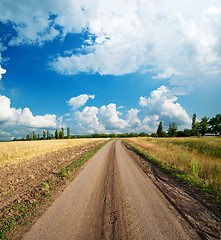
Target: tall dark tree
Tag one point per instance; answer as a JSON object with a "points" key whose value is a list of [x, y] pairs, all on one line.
{"points": [[27, 137], [195, 126], [34, 136], [215, 124], [62, 133], [172, 130], [44, 135], [57, 134], [48, 135], [31, 137], [38, 137], [203, 125], [193, 121], [160, 130], [68, 133]]}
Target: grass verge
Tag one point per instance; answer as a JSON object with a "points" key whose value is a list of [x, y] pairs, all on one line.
{"points": [[23, 210], [184, 176]]}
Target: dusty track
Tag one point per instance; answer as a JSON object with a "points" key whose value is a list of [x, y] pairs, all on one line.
{"points": [[111, 198]]}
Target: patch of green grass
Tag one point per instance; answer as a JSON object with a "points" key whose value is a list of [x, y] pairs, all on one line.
{"points": [[22, 213]]}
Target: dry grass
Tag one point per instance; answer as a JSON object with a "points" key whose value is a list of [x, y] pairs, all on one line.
{"points": [[11, 152], [199, 158]]}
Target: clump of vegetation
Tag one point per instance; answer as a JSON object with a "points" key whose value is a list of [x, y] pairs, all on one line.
{"points": [[45, 188], [63, 172]]}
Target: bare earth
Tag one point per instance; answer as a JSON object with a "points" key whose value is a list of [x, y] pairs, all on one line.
{"points": [[20, 176], [112, 198]]}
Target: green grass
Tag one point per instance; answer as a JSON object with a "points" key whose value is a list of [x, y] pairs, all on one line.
{"points": [[210, 146], [22, 213], [193, 176]]}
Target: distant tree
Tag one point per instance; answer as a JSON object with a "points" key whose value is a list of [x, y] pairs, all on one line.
{"points": [[180, 134], [68, 133], [133, 135], [62, 133], [143, 134], [187, 132], [112, 135], [203, 125], [193, 120], [48, 134], [215, 124], [57, 134], [52, 136], [160, 130], [31, 137], [34, 136], [44, 135], [27, 137], [154, 135], [195, 126], [172, 130], [38, 137]]}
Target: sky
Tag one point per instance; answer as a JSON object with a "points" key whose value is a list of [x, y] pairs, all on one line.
{"points": [[101, 66]]}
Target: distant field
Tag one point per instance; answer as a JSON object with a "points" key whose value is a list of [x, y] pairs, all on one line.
{"points": [[198, 160], [11, 152]]}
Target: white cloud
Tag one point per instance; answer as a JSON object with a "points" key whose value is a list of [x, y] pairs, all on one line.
{"points": [[132, 118], [87, 121], [143, 101], [77, 102], [161, 103], [172, 36], [169, 72], [2, 71], [28, 120], [108, 117], [13, 118]]}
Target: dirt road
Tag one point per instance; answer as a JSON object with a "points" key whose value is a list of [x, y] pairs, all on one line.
{"points": [[111, 199]]}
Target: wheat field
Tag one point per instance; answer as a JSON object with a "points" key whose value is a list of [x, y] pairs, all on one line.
{"points": [[12, 152]]}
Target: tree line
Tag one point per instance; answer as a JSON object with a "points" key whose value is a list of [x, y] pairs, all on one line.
{"points": [[46, 135], [205, 126]]}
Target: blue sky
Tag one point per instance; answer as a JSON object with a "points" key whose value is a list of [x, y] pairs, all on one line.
{"points": [[107, 66]]}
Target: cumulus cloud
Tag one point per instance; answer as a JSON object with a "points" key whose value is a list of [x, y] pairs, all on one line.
{"points": [[23, 118], [132, 118], [79, 101], [2, 71], [87, 121], [109, 118], [171, 37], [161, 103]]}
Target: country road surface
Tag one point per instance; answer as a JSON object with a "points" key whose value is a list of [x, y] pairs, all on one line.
{"points": [[111, 198]]}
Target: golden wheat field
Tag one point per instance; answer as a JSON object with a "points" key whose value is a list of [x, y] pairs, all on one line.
{"points": [[11, 152]]}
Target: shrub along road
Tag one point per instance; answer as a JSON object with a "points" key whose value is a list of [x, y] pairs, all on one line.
{"points": [[112, 198]]}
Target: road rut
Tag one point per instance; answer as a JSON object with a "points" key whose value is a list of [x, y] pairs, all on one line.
{"points": [[111, 198]]}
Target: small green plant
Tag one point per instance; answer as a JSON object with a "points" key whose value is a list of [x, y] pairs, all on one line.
{"points": [[45, 188], [63, 172], [196, 167]]}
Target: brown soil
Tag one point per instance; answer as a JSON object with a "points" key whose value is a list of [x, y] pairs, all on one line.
{"points": [[21, 177]]}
